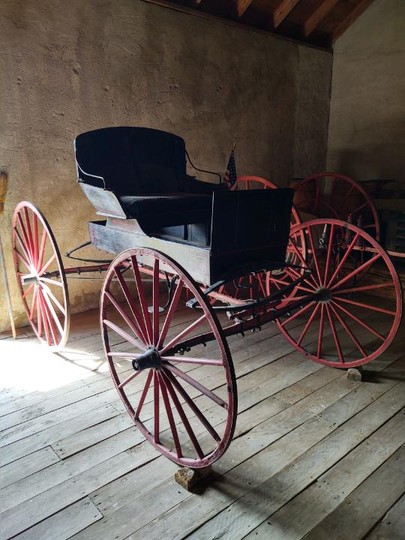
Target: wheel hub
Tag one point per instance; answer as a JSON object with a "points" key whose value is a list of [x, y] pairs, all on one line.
{"points": [[30, 278], [323, 294], [149, 359]]}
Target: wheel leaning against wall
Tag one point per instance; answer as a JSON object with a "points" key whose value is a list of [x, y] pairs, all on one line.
{"points": [[40, 275]]}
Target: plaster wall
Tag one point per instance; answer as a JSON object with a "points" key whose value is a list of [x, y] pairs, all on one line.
{"points": [[69, 67], [367, 128]]}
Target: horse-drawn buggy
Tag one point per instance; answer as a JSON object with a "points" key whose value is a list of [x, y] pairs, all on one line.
{"points": [[195, 264]]}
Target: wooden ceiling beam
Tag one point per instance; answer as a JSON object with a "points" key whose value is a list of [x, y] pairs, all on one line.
{"points": [[351, 17], [282, 10], [324, 8], [241, 6]]}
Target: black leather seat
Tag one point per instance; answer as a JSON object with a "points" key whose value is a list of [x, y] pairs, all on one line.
{"points": [[167, 210], [146, 170]]}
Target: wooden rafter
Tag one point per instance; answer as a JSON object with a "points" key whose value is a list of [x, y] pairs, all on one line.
{"points": [[351, 17], [282, 10], [241, 6], [316, 21], [318, 15]]}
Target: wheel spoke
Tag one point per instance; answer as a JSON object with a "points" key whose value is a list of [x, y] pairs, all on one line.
{"points": [[347, 194], [334, 333], [303, 262], [184, 394], [26, 238], [27, 292], [39, 316], [142, 297], [156, 407], [27, 261], [359, 321], [135, 329], [329, 252], [52, 313], [296, 314], [144, 393], [350, 333], [198, 386], [155, 301], [22, 259], [314, 256], [42, 246], [53, 297], [170, 313], [30, 237], [183, 334], [320, 331], [365, 306], [125, 335], [50, 320], [45, 319], [59, 284], [343, 259], [132, 305], [309, 322], [356, 271], [357, 209], [182, 415], [33, 304], [169, 413], [365, 288], [35, 235], [47, 264], [129, 379], [187, 360], [120, 354]]}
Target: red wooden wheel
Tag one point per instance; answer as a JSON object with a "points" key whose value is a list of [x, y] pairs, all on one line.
{"points": [[356, 304], [183, 401], [333, 195], [40, 275]]}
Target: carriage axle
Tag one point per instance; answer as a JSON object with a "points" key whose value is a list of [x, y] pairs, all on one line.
{"points": [[149, 359]]}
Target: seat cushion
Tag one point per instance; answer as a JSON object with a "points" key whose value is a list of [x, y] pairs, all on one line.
{"points": [[166, 210]]}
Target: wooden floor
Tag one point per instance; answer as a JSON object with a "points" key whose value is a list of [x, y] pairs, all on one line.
{"points": [[314, 455]]}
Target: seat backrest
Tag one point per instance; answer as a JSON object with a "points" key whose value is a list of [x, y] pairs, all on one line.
{"points": [[131, 160]]}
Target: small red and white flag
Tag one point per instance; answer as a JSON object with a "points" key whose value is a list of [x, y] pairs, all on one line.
{"points": [[230, 175]]}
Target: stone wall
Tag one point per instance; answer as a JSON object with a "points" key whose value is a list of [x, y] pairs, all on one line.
{"points": [[69, 67], [367, 128]]}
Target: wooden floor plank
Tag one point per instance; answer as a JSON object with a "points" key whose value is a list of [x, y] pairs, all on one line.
{"points": [[363, 508], [23, 467], [120, 492], [74, 466], [307, 510], [64, 524], [244, 484], [392, 526], [26, 446], [45, 504]]}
